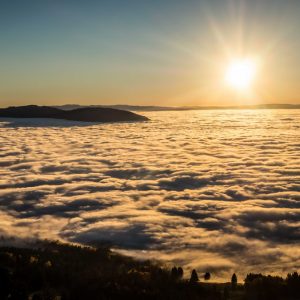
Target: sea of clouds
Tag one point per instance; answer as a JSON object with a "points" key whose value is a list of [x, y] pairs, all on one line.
{"points": [[214, 190]]}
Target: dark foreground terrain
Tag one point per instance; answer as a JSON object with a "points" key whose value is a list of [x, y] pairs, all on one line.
{"points": [[83, 114], [51, 270]]}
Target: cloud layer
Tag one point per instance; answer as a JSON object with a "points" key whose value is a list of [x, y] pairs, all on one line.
{"points": [[213, 190]]}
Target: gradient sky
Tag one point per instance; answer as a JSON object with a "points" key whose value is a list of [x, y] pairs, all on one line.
{"points": [[162, 52]]}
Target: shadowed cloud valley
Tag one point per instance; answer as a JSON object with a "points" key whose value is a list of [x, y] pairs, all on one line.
{"points": [[217, 190]]}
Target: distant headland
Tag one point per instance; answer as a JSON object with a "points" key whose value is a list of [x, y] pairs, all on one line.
{"points": [[179, 108], [82, 114]]}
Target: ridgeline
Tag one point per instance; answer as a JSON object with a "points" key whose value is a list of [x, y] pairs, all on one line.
{"points": [[83, 114], [52, 271]]}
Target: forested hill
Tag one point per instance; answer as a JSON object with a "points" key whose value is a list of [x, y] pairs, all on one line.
{"points": [[51, 270], [83, 114]]}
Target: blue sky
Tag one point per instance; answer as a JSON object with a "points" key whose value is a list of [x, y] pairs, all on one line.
{"points": [[144, 52]]}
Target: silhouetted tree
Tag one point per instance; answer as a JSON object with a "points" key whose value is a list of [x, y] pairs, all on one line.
{"points": [[258, 286], [293, 284], [174, 273], [180, 272], [25, 274], [233, 281], [207, 276], [194, 277]]}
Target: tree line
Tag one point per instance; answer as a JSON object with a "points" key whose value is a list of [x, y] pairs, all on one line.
{"points": [[52, 271]]}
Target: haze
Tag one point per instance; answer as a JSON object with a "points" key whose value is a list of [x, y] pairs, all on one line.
{"points": [[146, 52]]}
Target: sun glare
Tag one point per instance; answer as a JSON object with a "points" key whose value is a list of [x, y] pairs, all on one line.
{"points": [[240, 73]]}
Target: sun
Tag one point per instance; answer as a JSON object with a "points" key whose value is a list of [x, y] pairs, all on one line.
{"points": [[240, 73]]}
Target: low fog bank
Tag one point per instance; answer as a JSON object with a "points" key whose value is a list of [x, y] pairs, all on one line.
{"points": [[211, 190]]}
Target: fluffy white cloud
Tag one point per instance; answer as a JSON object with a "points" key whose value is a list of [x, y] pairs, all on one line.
{"points": [[215, 190]]}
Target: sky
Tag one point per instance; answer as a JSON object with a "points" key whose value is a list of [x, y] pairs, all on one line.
{"points": [[147, 52]]}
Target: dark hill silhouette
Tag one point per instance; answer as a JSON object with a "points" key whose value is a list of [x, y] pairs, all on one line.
{"points": [[85, 114], [52, 270]]}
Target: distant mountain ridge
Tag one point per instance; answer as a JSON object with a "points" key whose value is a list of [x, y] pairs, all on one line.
{"points": [[83, 114], [180, 108]]}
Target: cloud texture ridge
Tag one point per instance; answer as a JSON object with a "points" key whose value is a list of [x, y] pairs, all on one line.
{"points": [[214, 190]]}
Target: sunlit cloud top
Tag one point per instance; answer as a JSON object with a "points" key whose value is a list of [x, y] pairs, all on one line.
{"points": [[147, 52]]}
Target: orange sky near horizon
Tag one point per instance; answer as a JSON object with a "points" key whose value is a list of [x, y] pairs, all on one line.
{"points": [[166, 53]]}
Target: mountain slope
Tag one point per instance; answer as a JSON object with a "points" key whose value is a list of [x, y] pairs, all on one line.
{"points": [[85, 114]]}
